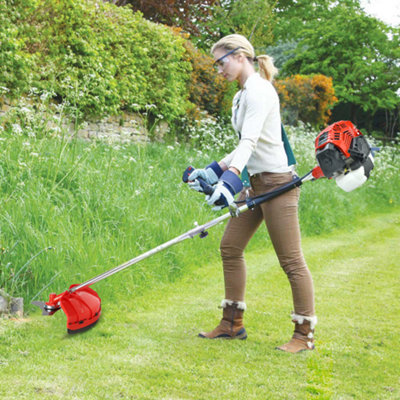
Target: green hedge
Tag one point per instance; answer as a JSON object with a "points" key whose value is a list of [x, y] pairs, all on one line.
{"points": [[97, 58]]}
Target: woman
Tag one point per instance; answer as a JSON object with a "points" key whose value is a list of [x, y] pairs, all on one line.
{"points": [[256, 119]]}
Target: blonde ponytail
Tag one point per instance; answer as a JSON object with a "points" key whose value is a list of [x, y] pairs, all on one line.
{"points": [[267, 67]]}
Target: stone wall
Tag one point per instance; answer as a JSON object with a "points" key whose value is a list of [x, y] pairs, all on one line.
{"points": [[125, 127], [11, 305], [129, 127]]}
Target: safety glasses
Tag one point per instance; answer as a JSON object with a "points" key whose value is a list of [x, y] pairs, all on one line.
{"points": [[223, 60]]}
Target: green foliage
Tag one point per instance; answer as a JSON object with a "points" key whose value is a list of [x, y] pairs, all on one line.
{"points": [[186, 14], [359, 52], [293, 16], [251, 18], [306, 98], [98, 204], [208, 90], [99, 58], [282, 51], [15, 62]]}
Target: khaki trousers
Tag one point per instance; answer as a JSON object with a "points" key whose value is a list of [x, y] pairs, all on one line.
{"points": [[281, 217]]}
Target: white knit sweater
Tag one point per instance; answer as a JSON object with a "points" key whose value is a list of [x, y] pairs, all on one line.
{"points": [[256, 118]]}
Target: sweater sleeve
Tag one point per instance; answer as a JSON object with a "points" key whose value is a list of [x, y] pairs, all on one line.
{"points": [[228, 158]]}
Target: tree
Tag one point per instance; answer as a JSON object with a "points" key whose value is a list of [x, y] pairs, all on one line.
{"points": [[292, 16], [251, 18], [189, 15], [359, 52], [209, 20], [282, 52]]}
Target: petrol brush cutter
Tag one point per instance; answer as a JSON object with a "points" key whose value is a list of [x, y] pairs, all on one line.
{"points": [[342, 153]]}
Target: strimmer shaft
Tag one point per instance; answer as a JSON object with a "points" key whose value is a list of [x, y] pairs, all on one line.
{"points": [[199, 230], [188, 235]]}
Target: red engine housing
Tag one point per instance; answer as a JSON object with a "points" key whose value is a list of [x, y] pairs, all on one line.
{"points": [[340, 147], [340, 134]]}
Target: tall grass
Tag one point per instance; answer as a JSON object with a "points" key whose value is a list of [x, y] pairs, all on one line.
{"points": [[91, 205], [71, 209], [324, 206]]}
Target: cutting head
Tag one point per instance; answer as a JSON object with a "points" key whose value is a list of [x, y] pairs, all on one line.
{"points": [[82, 307], [46, 309]]}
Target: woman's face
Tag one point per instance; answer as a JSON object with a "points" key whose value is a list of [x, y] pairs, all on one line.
{"points": [[228, 65]]}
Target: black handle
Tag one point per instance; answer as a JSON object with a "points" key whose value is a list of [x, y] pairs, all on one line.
{"points": [[188, 171], [207, 189], [262, 198]]}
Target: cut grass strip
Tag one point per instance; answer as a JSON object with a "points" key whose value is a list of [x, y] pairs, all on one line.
{"points": [[145, 346]]}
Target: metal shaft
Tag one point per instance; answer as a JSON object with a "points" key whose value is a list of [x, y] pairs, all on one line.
{"points": [[200, 229], [188, 235]]}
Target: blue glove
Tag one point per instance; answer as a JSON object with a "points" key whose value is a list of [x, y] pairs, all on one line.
{"points": [[228, 185], [209, 174]]}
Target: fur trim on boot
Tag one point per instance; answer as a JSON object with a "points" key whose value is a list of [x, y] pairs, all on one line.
{"points": [[231, 325], [301, 318], [240, 305], [303, 336]]}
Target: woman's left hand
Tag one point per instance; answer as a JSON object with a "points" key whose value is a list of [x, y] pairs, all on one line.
{"points": [[222, 197], [228, 185]]}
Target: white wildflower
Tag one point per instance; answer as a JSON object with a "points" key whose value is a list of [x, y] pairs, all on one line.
{"points": [[17, 128]]}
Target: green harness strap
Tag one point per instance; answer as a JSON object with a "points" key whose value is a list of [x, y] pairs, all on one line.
{"points": [[289, 152]]}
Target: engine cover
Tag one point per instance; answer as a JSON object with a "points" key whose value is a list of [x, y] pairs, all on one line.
{"points": [[331, 160], [341, 147]]}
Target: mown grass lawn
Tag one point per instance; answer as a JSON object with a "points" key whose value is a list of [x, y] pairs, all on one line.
{"points": [[145, 347]]}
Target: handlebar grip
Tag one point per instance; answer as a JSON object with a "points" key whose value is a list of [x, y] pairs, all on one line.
{"points": [[207, 189], [188, 171]]}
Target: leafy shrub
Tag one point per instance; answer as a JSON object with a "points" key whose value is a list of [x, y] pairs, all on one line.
{"points": [[99, 58], [308, 98], [15, 62], [208, 90]]}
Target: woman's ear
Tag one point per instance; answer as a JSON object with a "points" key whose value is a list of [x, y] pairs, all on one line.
{"points": [[241, 57]]}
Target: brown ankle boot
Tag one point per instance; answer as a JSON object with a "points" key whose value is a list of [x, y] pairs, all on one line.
{"points": [[303, 336], [231, 325]]}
